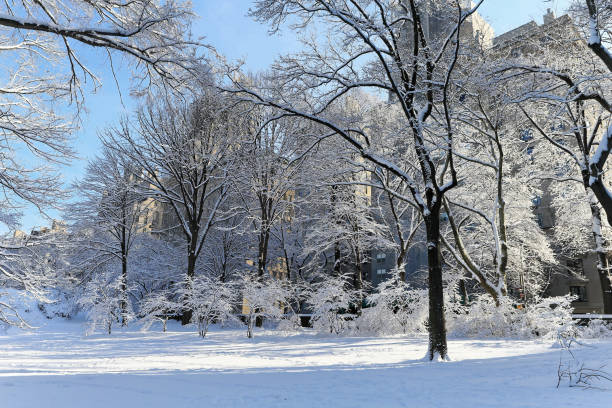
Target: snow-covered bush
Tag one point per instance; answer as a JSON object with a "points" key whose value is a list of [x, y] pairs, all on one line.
{"points": [[262, 298], [547, 317], [394, 308], [101, 300], [210, 300], [595, 329], [158, 306], [63, 303], [330, 301], [297, 294]]}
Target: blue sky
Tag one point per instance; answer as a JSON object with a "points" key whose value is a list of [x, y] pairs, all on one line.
{"points": [[224, 24]]}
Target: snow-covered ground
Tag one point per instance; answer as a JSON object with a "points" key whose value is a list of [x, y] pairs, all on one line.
{"points": [[57, 366]]}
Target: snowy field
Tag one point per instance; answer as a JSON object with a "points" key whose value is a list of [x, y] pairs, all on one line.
{"points": [[57, 366]]}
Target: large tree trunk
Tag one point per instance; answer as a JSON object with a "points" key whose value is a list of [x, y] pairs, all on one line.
{"points": [[191, 263], [337, 250], [463, 292], [602, 194], [262, 257], [358, 280], [124, 295], [602, 257], [437, 324], [403, 245], [501, 215], [124, 277]]}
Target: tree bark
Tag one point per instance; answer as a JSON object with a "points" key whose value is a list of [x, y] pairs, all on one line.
{"points": [[358, 281], [463, 292], [191, 263], [437, 324], [262, 258], [603, 267], [602, 193], [124, 277]]}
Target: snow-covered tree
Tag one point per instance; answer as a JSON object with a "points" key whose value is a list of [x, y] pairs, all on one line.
{"points": [[381, 46], [38, 264], [47, 46], [271, 161], [562, 90], [335, 211], [331, 300], [152, 36], [211, 300], [223, 256], [261, 299], [186, 151], [109, 208], [102, 299], [395, 307], [341, 232], [493, 228], [156, 263], [159, 306]]}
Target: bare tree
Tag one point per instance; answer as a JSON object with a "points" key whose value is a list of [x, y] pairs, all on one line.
{"points": [[35, 264], [110, 210], [185, 151], [272, 156], [491, 219], [342, 228], [37, 34], [562, 90], [380, 45], [45, 44]]}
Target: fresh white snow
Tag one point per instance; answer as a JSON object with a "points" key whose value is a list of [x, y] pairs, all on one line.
{"points": [[57, 366]]}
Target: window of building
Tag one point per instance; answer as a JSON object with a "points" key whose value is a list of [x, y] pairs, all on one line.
{"points": [[540, 220], [526, 135], [380, 257], [558, 126], [545, 219], [381, 271], [579, 292], [560, 141]]}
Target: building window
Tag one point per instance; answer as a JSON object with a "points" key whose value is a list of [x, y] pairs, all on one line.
{"points": [[526, 135], [380, 257], [579, 292], [559, 126], [560, 142], [540, 220], [381, 271]]}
